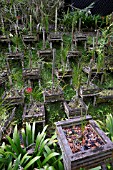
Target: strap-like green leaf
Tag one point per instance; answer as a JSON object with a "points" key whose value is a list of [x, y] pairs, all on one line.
{"points": [[25, 159], [16, 139], [40, 137], [14, 147], [29, 134], [31, 162], [49, 157]]}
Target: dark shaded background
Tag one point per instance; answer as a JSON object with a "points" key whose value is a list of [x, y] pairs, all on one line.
{"points": [[102, 7]]}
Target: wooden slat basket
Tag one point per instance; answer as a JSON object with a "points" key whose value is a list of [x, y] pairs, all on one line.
{"points": [[73, 111], [34, 112], [84, 158], [55, 96]]}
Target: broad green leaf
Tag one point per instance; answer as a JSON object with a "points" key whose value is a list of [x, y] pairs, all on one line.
{"points": [[10, 166], [39, 138], [14, 147], [48, 150], [12, 154], [29, 134], [25, 159], [60, 165], [31, 162], [109, 124], [43, 144], [17, 163], [8, 148], [49, 157], [23, 136], [16, 139], [51, 168]]}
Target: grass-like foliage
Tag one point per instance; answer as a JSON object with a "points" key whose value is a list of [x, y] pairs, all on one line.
{"points": [[28, 150]]}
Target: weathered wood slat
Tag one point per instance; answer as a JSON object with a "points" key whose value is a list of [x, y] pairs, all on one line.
{"points": [[46, 54], [31, 114], [15, 98], [32, 74], [30, 38], [88, 158], [4, 38], [70, 122], [63, 73], [54, 96], [75, 111]]}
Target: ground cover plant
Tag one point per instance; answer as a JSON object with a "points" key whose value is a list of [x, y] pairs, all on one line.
{"points": [[29, 145]]}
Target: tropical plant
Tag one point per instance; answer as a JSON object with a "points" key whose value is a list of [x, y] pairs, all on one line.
{"points": [[77, 78], [107, 126], [63, 55], [100, 60], [26, 149]]}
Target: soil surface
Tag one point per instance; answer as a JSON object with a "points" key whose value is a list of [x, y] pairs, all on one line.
{"points": [[82, 137]]}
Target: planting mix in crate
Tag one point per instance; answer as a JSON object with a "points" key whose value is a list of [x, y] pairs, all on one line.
{"points": [[52, 50], [82, 137], [86, 89], [13, 96], [83, 143], [34, 112], [53, 95], [75, 107], [31, 73], [60, 73]]}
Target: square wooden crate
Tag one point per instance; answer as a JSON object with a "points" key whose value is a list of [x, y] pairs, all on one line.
{"points": [[72, 111], [109, 62], [31, 73], [34, 112], [80, 37], [66, 73], [104, 95], [90, 90], [56, 95], [55, 38], [13, 97], [94, 73], [85, 158], [15, 56], [46, 55], [73, 55], [30, 38], [4, 39]]}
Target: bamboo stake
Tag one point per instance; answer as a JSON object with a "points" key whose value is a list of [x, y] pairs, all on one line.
{"points": [[15, 12], [72, 36], [53, 70], [97, 35], [31, 24], [44, 41], [9, 47], [90, 72], [56, 19], [10, 81], [79, 28], [3, 27], [93, 42], [30, 60], [93, 49], [78, 86]]}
